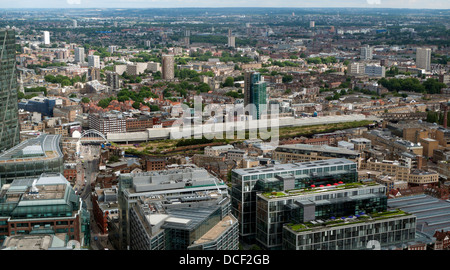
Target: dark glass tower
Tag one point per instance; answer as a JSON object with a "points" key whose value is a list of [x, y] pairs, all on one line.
{"points": [[9, 119], [255, 93]]}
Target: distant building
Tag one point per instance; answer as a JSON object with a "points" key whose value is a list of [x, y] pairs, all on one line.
{"points": [[231, 39], [94, 61], [168, 63], [94, 74], [375, 71], [423, 58], [255, 93], [46, 38], [79, 55], [366, 52], [112, 80], [107, 122]]}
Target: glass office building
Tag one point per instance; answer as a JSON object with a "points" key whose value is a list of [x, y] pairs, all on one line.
{"points": [[274, 210], [384, 230], [255, 93], [31, 158], [246, 183], [9, 117]]}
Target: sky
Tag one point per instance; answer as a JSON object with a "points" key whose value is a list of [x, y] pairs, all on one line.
{"points": [[420, 4]]}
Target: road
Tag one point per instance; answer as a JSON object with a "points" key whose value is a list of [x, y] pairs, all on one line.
{"points": [[88, 170]]}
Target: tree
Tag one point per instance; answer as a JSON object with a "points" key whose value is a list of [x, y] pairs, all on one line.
{"points": [[136, 105], [229, 82], [85, 100]]}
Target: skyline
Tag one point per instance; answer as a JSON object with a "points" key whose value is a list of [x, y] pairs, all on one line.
{"points": [[397, 4]]}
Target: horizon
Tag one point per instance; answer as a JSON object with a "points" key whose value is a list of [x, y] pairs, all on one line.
{"points": [[215, 4]]}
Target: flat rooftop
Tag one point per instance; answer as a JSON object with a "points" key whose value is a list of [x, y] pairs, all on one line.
{"points": [[294, 166], [217, 230], [318, 148]]}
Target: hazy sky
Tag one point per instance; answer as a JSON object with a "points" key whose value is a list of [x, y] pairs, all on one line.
{"points": [[422, 4]]}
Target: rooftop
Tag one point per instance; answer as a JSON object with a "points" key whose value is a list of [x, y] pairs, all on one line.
{"points": [[44, 146], [294, 166], [318, 148]]}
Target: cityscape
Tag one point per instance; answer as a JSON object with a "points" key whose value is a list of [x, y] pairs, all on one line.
{"points": [[133, 126]]}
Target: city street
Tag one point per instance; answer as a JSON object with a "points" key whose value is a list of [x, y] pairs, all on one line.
{"points": [[88, 171]]}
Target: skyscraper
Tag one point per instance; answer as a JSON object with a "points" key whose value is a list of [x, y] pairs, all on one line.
{"points": [[79, 55], [255, 93], [168, 62], [9, 119], [423, 58], [366, 52]]}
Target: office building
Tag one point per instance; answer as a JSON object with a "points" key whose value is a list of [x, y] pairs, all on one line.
{"points": [[94, 61], [307, 152], [31, 158], [311, 205], [79, 55], [385, 230], [312, 24], [423, 58], [46, 37], [177, 209], [168, 62], [43, 205], [255, 93], [42, 105], [366, 52], [9, 126], [247, 182]]}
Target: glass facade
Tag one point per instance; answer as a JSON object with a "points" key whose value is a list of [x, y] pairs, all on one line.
{"points": [[357, 236], [255, 92], [15, 163], [272, 214], [9, 117], [246, 183]]}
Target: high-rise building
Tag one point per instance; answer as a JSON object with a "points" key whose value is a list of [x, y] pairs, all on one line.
{"points": [[168, 62], [46, 38], [9, 123], [312, 24], [366, 52], [423, 58], [231, 39], [74, 23], [94, 61], [79, 55], [112, 80], [255, 93], [178, 209]]}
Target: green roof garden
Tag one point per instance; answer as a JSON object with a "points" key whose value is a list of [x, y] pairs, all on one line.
{"points": [[343, 221]]}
